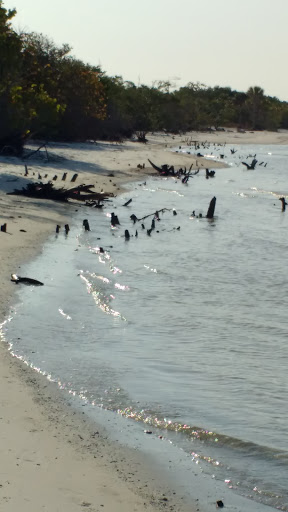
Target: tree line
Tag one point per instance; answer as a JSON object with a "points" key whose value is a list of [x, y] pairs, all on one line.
{"points": [[47, 94]]}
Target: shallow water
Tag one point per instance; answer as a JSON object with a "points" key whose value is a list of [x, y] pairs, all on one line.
{"points": [[184, 330]]}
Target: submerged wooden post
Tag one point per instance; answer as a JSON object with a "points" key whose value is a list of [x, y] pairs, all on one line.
{"points": [[114, 220], [86, 225], [74, 177], [282, 199], [211, 209]]}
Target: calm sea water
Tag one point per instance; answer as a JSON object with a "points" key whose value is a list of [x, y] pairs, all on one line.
{"points": [[183, 331]]}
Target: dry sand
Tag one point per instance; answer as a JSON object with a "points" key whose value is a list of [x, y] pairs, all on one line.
{"points": [[50, 459]]}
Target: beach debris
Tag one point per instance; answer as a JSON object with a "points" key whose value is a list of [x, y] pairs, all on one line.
{"points": [[211, 209], [154, 214], [58, 228], [219, 504], [282, 199], [252, 165], [114, 220], [48, 191], [134, 218], [148, 432], [36, 151], [127, 202], [96, 204], [233, 151], [209, 174], [74, 177], [23, 230], [67, 229], [141, 136], [86, 225], [4, 228], [26, 280], [166, 170]]}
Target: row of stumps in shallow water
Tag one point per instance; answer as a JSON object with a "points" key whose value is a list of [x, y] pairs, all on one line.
{"points": [[156, 217]]}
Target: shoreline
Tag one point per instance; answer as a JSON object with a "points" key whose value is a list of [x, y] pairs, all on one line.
{"points": [[48, 451]]}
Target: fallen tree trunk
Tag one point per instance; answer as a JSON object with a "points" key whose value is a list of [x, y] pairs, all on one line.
{"points": [[47, 191]]}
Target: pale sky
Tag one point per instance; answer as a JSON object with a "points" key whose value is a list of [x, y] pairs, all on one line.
{"points": [[235, 43]]}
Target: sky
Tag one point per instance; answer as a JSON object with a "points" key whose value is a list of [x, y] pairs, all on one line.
{"points": [[229, 43]]}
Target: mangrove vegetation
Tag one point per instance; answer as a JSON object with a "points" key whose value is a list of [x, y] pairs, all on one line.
{"points": [[47, 94]]}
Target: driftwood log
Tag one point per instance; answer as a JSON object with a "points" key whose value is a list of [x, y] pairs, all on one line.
{"points": [[48, 191], [26, 280], [169, 170]]}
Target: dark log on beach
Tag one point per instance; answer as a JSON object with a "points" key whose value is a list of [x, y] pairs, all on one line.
{"points": [[47, 191], [127, 202], [211, 209], [26, 280]]}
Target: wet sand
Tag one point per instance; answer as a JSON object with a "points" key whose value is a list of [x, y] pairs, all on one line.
{"points": [[51, 459]]}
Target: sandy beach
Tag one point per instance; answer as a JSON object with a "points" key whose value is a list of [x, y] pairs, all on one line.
{"points": [[51, 458]]}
